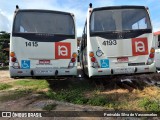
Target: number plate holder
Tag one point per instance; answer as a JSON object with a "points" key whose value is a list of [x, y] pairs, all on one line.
{"points": [[123, 70]]}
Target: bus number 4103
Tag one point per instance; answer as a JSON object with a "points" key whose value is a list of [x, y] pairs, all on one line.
{"points": [[30, 44]]}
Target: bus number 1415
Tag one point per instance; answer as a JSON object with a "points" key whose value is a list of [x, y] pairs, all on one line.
{"points": [[30, 44], [110, 42]]}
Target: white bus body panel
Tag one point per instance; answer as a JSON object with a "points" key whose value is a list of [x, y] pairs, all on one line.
{"points": [[111, 53], [41, 59], [157, 58], [157, 52]]}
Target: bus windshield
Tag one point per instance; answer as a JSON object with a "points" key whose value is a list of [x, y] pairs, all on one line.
{"points": [[43, 22], [119, 20]]}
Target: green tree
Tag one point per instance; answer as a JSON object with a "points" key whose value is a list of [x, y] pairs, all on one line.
{"points": [[4, 40], [3, 56], [4, 35]]}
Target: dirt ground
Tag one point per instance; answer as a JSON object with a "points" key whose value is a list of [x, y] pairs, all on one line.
{"points": [[32, 103]]}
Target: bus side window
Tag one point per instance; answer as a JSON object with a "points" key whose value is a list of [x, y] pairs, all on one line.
{"points": [[82, 41], [82, 46], [85, 36], [158, 41]]}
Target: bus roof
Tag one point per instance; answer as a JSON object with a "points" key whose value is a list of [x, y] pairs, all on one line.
{"points": [[121, 7], [40, 10], [157, 33]]}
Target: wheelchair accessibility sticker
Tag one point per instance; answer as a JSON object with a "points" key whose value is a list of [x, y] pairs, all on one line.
{"points": [[104, 63], [99, 52], [25, 64]]}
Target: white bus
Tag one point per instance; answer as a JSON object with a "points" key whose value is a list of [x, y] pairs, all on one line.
{"points": [[157, 49], [117, 40], [43, 43]]}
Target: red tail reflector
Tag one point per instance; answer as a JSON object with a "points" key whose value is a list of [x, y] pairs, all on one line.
{"points": [[13, 59], [93, 59], [73, 59], [151, 55]]}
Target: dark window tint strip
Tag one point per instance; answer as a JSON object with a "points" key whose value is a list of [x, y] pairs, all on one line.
{"points": [[43, 37]]}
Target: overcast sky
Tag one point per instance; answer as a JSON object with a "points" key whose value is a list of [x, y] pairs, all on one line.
{"points": [[78, 7]]}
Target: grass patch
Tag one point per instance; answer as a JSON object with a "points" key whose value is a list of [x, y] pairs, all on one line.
{"points": [[49, 107], [14, 95], [77, 97], [74, 94], [97, 101], [4, 86], [34, 84], [149, 104], [4, 68]]}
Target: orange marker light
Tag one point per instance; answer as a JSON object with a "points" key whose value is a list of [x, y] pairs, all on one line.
{"points": [[91, 54], [74, 55], [12, 54], [152, 50]]}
